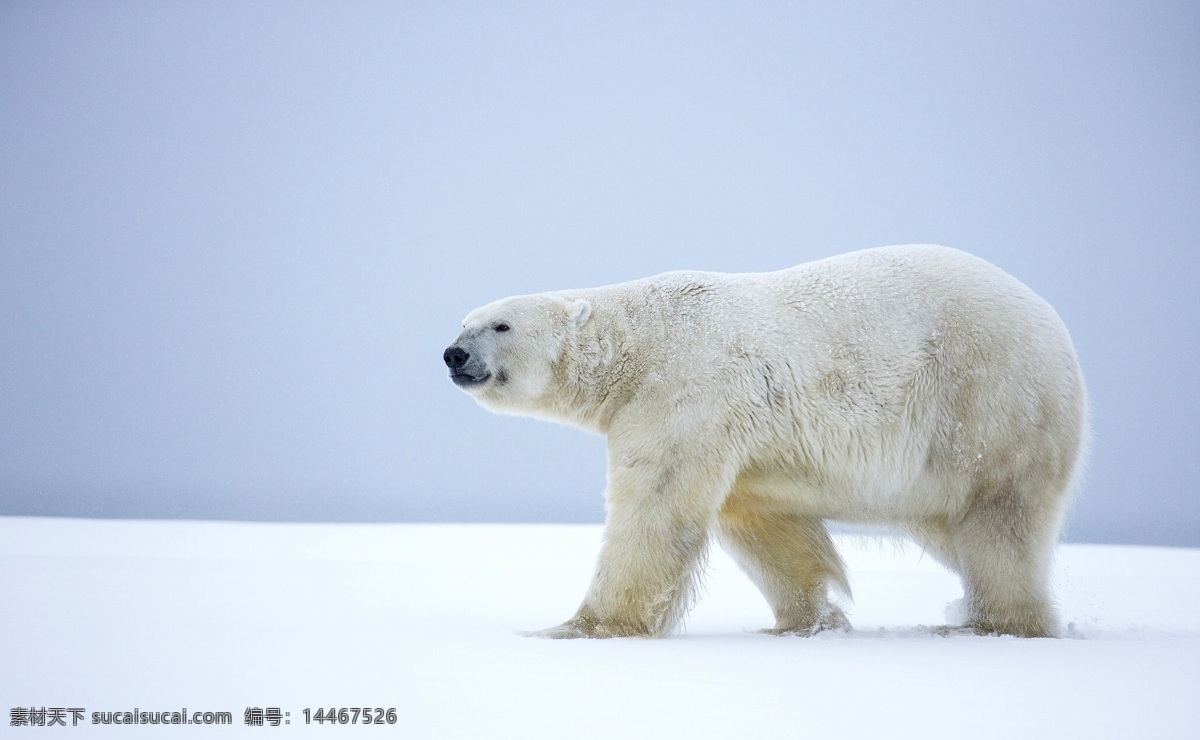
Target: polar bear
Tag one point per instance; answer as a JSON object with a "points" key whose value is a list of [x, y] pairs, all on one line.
{"points": [[913, 386]]}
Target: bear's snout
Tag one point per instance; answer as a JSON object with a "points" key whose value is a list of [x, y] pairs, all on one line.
{"points": [[455, 357], [466, 372]]}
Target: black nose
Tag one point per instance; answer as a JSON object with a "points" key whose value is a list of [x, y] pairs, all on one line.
{"points": [[455, 357]]}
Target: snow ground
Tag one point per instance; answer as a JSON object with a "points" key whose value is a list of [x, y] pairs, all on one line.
{"points": [[117, 615]]}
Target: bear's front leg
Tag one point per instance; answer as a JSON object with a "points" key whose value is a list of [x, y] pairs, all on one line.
{"points": [[655, 538]]}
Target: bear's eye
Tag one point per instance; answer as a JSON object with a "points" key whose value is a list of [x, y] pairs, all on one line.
{"points": [[501, 327]]}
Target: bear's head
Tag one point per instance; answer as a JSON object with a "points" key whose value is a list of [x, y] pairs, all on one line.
{"points": [[507, 353]]}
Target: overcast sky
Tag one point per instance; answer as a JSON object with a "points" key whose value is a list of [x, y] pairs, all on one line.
{"points": [[235, 237]]}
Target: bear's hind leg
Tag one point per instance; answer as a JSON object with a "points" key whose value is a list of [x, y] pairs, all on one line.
{"points": [[790, 558], [1004, 546]]}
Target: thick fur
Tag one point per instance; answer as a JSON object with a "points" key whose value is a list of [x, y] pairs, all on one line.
{"points": [[915, 386]]}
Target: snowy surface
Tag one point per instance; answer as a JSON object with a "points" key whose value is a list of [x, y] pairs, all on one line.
{"points": [[117, 615]]}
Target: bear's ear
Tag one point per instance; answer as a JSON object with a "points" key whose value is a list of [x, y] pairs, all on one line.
{"points": [[578, 312]]}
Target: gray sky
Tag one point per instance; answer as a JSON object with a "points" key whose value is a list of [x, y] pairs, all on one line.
{"points": [[235, 237]]}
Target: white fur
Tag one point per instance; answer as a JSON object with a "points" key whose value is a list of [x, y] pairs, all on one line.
{"points": [[915, 386]]}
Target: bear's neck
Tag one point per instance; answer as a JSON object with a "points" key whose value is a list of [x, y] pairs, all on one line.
{"points": [[600, 372]]}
